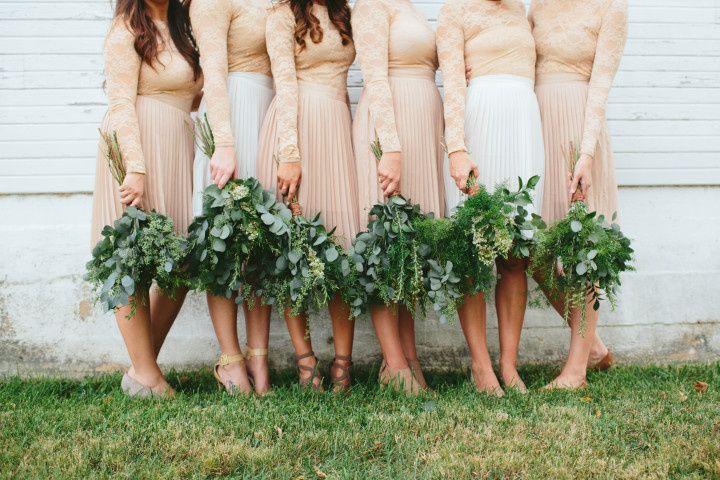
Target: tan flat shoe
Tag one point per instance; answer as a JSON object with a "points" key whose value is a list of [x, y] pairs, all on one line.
{"points": [[401, 380], [555, 385], [414, 365], [133, 388], [230, 387], [314, 381]]}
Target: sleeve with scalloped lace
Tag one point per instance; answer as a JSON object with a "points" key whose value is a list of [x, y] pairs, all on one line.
{"points": [[280, 38], [610, 45], [122, 71], [451, 55], [210, 22], [371, 33]]}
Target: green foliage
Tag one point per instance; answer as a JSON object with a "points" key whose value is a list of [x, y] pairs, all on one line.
{"points": [[524, 224], [239, 222], [310, 269], [140, 247], [204, 137], [582, 256], [391, 261]]}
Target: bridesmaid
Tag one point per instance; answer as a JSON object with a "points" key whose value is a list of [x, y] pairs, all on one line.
{"points": [[496, 121], [237, 93], [153, 77], [307, 133], [401, 107], [579, 46]]}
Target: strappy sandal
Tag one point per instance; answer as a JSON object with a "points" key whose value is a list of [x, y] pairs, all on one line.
{"points": [[309, 382], [341, 383], [254, 352], [133, 388], [230, 387]]}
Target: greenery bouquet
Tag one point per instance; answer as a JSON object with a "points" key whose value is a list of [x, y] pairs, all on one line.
{"points": [[310, 269], [138, 248], [581, 257]]}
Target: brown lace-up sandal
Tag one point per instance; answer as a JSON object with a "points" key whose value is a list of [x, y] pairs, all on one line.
{"points": [[309, 382], [341, 383], [230, 387]]}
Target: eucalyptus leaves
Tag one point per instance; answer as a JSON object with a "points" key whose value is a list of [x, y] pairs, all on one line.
{"points": [[582, 256]]}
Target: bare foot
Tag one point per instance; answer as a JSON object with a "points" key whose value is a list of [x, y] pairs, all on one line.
{"points": [[511, 379], [486, 381], [566, 381], [258, 371], [234, 378], [414, 365]]}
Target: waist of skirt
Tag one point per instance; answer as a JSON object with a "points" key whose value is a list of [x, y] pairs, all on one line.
{"points": [[255, 78], [560, 77], [181, 103], [412, 72], [502, 80], [324, 90]]}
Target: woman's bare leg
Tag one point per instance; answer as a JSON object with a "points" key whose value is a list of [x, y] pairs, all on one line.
{"points": [[343, 335], [137, 334], [223, 313], [473, 320], [407, 340], [386, 323], [573, 374], [163, 312], [257, 331], [510, 302], [300, 337]]}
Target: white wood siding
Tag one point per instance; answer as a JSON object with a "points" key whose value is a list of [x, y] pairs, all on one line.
{"points": [[664, 110]]}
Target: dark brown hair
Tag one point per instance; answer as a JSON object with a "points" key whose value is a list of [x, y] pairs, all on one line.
{"points": [[136, 15], [305, 21]]}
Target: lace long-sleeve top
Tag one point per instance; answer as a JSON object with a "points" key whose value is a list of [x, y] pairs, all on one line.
{"points": [[493, 37], [390, 34], [127, 76], [325, 63], [586, 37], [231, 38]]}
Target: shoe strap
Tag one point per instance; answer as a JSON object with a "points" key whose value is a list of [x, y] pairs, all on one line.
{"points": [[345, 369], [255, 352], [304, 355], [229, 359]]}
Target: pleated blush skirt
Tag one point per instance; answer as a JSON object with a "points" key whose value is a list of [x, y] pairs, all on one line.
{"points": [[329, 183], [419, 123], [503, 132], [167, 141], [250, 96], [562, 98]]}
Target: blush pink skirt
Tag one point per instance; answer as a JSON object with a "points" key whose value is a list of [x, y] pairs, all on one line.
{"points": [[168, 146], [419, 123], [562, 98], [329, 183]]}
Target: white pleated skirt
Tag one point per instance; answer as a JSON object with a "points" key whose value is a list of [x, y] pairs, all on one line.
{"points": [[503, 133], [250, 96]]}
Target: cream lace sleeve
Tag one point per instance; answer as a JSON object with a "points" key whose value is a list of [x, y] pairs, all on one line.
{"points": [[280, 38], [122, 71], [371, 33], [610, 45], [210, 21], [451, 54]]}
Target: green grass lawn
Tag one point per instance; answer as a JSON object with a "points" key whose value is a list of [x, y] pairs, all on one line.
{"points": [[632, 422]]}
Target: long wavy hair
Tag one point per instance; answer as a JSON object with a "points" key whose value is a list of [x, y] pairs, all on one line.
{"points": [[306, 22], [136, 15]]}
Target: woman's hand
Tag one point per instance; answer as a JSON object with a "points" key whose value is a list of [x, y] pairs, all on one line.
{"points": [[132, 189], [223, 166], [582, 178], [468, 73], [460, 169], [288, 179], [388, 171]]}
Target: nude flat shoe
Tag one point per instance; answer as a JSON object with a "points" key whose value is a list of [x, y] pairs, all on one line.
{"points": [[604, 363], [134, 389], [255, 352], [230, 387], [562, 386]]}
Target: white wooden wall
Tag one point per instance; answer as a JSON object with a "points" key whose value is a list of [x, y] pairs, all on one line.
{"points": [[664, 110]]}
